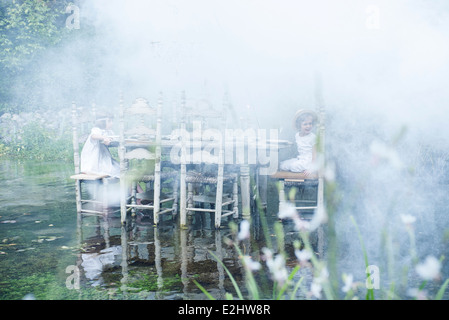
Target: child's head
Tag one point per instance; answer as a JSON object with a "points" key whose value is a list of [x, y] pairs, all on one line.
{"points": [[104, 121], [304, 121]]}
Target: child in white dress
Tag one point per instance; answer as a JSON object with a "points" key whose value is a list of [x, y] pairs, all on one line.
{"points": [[305, 142], [95, 156]]}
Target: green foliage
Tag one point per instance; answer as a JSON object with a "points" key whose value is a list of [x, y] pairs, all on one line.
{"points": [[39, 143], [27, 29], [47, 286], [149, 282], [4, 150]]}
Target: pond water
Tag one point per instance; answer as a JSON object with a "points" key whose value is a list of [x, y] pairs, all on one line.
{"points": [[45, 247], [49, 252]]}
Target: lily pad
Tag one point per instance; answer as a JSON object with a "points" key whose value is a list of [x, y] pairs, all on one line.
{"points": [[8, 221]]}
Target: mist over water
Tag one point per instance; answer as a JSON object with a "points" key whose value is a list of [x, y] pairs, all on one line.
{"points": [[384, 68], [375, 57]]}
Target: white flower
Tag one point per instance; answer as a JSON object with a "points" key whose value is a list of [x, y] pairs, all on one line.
{"points": [[417, 294], [317, 283], [301, 225], [407, 219], [319, 217], [323, 276], [244, 230], [267, 253], [276, 266], [315, 289], [303, 255], [347, 279], [250, 264], [287, 211], [430, 269]]}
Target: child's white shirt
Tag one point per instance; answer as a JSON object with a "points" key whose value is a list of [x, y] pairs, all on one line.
{"points": [[303, 161], [305, 146]]}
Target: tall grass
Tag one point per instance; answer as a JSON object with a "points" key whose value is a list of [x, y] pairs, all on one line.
{"points": [[328, 282]]}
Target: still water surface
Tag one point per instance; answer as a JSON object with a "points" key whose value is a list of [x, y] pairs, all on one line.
{"points": [[45, 246]]}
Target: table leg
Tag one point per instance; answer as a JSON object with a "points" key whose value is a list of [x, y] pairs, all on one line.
{"points": [[245, 190], [262, 189]]}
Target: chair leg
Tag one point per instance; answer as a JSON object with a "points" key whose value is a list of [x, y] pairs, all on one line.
{"points": [[104, 184], [189, 195], [183, 198], [219, 198], [245, 190], [78, 195], [281, 193], [123, 197], [133, 196], [157, 196], [175, 196], [320, 195], [235, 197]]}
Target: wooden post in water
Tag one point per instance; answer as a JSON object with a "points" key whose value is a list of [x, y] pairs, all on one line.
{"points": [[219, 191], [157, 166], [76, 157], [121, 152], [182, 196]]}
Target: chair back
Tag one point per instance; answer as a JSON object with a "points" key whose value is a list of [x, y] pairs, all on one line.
{"points": [[140, 130], [204, 126], [203, 111]]}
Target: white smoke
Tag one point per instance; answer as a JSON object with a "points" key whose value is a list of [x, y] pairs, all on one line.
{"points": [[384, 67]]}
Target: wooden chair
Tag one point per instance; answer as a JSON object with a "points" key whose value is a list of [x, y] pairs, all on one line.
{"points": [[310, 189], [199, 188], [140, 161], [91, 200]]}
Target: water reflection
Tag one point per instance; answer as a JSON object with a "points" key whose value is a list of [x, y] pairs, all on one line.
{"points": [[140, 261], [156, 263]]}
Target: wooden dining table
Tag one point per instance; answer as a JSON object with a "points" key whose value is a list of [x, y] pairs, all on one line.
{"points": [[250, 163]]}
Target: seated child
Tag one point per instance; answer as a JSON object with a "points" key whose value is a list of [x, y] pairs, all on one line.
{"points": [[95, 156], [305, 142]]}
